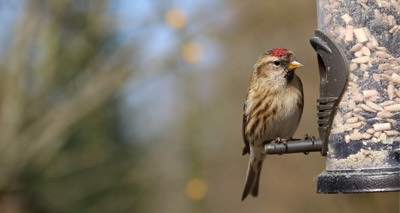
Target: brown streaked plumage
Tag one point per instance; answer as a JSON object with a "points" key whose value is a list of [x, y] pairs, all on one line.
{"points": [[273, 108]]}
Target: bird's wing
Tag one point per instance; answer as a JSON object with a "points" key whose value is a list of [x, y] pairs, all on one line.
{"points": [[301, 102], [246, 148]]}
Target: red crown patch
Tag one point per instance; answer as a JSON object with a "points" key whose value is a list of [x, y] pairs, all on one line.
{"points": [[278, 52]]}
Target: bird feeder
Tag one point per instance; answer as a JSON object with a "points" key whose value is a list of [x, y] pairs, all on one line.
{"points": [[358, 51]]}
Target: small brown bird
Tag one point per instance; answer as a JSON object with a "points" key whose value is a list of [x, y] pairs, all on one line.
{"points": [[272, 111]]}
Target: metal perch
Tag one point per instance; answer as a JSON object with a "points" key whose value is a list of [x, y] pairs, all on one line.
{"points": [[294, 146]]}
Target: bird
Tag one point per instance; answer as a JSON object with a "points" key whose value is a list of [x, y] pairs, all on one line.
{"points": [[272, 109]]}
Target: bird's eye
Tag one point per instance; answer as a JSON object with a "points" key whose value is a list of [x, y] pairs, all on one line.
{"points": [[277, 62]]}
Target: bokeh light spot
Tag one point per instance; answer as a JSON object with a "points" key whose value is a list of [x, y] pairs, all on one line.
{"points": [[175, 18], [192, 52], [196, 189]]}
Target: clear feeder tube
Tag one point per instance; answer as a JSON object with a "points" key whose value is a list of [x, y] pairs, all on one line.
{"points": [[365, 134]]}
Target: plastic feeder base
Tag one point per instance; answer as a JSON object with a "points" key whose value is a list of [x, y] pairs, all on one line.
{"points": [[359, 181]]}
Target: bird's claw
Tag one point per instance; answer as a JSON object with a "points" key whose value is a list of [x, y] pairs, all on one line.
{"points": [[279, 140], [307, 137]]}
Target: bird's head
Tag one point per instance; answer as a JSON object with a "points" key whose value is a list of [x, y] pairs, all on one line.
{"points": [[276, 65]]}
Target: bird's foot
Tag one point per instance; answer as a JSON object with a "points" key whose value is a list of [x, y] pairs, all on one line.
{"points": [[277, 140], [307, 137], [280, 140]]}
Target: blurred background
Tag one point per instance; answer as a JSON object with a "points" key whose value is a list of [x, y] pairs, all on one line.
{"points": [[136, 106]]}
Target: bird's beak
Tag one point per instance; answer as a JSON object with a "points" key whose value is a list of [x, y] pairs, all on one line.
{"points": [[294, 64]]}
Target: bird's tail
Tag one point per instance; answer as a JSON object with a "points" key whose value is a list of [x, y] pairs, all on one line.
{"points": [[252, 177]]}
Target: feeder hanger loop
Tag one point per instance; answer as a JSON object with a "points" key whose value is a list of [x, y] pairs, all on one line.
{"points": [[333, 73]]}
